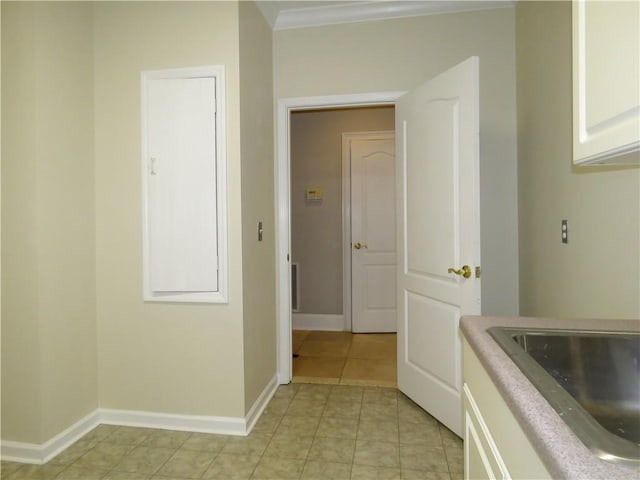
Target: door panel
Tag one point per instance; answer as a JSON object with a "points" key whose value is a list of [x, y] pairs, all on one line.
{"points": [[438, 229], [430, 318], [381, 286], [379, 206], [431, 188], [373, 266], [182, 180]]}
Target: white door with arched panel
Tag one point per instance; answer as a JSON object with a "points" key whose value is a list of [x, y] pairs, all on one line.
{"points": [[437, 131], [373, 238]]}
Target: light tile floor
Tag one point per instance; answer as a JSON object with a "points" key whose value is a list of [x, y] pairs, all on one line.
{"points": [[307, 432], [345, 358]]}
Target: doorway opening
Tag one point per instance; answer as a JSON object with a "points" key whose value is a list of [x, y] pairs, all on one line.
{"points": [[314, 200], [342, 170]]}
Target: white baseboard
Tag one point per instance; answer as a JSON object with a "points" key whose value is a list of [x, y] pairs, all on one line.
{"points": [[316, 321], [39, 454], [42, 453], [260, 404], [171, 421], [192, 423]]}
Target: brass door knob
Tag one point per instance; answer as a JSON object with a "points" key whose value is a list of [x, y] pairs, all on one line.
{"points": [[359, 245], [465, 271]]}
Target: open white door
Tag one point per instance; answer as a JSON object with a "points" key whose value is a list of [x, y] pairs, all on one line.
{"points": [[438, 223]]}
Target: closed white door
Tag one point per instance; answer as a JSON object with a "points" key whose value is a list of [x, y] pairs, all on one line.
{"points": [[438, 229], [373, 239]]}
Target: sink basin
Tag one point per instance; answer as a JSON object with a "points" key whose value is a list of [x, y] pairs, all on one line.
{"points": [[591, 379]]}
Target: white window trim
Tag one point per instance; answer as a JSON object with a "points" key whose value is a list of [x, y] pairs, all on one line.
{"points": [[219, 296]]}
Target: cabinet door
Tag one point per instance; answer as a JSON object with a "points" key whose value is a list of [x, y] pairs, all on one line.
{"points": [[482, 458], [606, 97]]}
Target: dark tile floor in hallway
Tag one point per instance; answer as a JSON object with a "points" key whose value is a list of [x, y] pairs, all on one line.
{"points": [[307, 432]]}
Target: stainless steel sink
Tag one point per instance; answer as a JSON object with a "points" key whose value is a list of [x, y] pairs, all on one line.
{"points": [[591, 379]]}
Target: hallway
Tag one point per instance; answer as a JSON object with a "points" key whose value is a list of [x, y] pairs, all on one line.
{"points": [[344, 358]]}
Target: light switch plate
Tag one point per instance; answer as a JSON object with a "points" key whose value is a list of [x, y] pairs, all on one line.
{"points": [[565, 231]]}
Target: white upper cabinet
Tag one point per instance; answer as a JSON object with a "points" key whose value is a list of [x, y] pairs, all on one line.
{"points": [[606, 83]]}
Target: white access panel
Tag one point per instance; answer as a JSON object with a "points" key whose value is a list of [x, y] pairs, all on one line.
{"points": [[182, 198]]}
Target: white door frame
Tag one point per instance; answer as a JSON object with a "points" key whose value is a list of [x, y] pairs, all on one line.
{"points": [[283, 185], [347, 137]]}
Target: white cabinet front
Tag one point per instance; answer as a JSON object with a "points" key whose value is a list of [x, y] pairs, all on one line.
{"points": [[482, 458], [495, 445], [606, 82]]}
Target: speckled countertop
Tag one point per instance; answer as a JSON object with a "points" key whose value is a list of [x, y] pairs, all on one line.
{"points": [[564, 455]]}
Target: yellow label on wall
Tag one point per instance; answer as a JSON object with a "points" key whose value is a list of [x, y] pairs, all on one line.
{"points": [[314, 194]]}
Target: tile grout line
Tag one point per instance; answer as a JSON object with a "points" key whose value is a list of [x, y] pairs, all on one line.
{"points": [[112, 469], [446, 455], [353, 456], [172, 455], [209, 465], [344, 365], [215, 455], [107, 472], [274, 432], [315, 434]]}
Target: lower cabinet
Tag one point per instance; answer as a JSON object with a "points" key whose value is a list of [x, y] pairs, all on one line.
{"points": [[495, 446], [481, 456]]}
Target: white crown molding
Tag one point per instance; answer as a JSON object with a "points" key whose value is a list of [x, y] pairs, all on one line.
{"points": [[270, 11], [375, 10]]}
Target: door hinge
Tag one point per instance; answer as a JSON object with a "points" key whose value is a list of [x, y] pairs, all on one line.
{"points": [[478, 272]]}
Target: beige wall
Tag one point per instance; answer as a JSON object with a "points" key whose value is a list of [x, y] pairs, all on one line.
{"points": [[316, 228], [401, 54], [256, 131], [20, 328], [49, 359], [177, 358], [72, 202], [596, 274], [77, 334]]}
